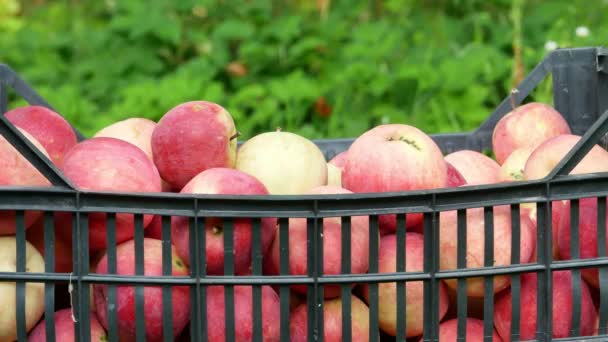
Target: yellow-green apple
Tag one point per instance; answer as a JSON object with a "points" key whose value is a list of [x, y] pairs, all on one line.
{"points": [[548, 154], [392, 158], [587, 234], [286, 163], [63, 248], [332, 246], [512, 169], [448, 331], [332, 321], [226, 182], [334, 169], [64, 328], [15, 170], [137, 131], [34, 292], [562, 304], [191, 138], [50, 129], [448, 243], [109, 165], [414, 299], [153, 298], [475, 167], [243, 314], [526, 126], [455, 178]]}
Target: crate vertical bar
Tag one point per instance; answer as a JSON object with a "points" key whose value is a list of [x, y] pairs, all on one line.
{"points": [[49, 267], [544, 304], [373, 287], [401, 267], [80, 223], [515, 278], [20, 286], [346, 269], [112, 266], [488, 253], [429, 328], [201, 227], [195, 310], [461, 264], [229, 271], [140, 327], [284, 270], [84, 288], [603, 271], [167, 271], [256, 270], [311, 236], [319, 271], [576, 273]]}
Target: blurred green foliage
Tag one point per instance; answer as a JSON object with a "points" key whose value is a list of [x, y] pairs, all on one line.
{"points": [[320, 68]]}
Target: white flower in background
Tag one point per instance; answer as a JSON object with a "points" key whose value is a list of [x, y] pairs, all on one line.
{"points": [[550, 45], [582, 31]]}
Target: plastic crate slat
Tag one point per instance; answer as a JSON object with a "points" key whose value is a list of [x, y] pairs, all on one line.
{"points": [[284, 292], [112, 310], [140, 327], [20, 286], [81, 298], [488, 303], [167, 263], [345, 289], [256, 261], [576, 274], [400, 286], [3, 97], [461, 263], [319, 271], [312, 288], [603, 271], [373, 268]]}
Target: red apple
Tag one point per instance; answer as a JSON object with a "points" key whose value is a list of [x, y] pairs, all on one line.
{"points": [[475, 167], [334, 169], [548, 154], [562, 308], [526, 126], [448, 243], [557, 210], [286, 163], [155, 229], [332, 321], [109, 164], [15, 170], [391, 158], [588, 243], [191, 138], [63, 249], [512, 169], [34, 292], [49, 128], [228, 182], [332, 246], [448, 331], [153, 298], [64, 328], [414, 299], [455, 178], [137, 131], [243, 314]]}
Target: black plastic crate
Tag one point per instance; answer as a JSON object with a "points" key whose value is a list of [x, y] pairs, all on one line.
{"points": [[580, 89]]}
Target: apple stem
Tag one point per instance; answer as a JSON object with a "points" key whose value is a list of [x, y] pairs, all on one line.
{"points": [[513, 92], [236, 135], [279, 129]]}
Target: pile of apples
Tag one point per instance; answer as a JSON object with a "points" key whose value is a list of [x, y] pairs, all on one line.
{"points": [[193, 149]]}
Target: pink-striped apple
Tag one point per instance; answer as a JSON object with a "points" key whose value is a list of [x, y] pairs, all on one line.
{"points": [[50, 129], [455, 178], [448, 244], [414, 299], [332, 246], [448, 331], [243, 314], [64, 328], [393, 158], [526, 126], [109, 165], [153, 298], [332, 321], [475, 167], [227, 182], [191, 138], [286, 163], [562, 308], [15, 170]]}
